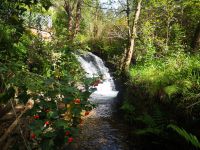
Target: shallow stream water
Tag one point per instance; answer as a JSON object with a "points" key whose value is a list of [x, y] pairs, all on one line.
{"points": [[102, 129]]}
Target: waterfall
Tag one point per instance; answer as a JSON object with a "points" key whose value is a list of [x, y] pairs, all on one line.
{"points": [[94, 67], [100, 131]]}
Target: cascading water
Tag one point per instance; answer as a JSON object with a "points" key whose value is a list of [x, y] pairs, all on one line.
{"points": [[95, 67], [100, 130], [105, 93]]}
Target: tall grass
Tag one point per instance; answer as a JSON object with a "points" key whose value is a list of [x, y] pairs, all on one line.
{"points": [[176, 76]]}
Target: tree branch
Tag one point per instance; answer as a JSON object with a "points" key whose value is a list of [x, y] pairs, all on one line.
{"points": [[29, 105]]}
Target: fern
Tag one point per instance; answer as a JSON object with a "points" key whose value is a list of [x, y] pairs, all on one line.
{"points": [[171, 90], [147, 120], [129, 110], [188, 136], [155, 123], [151, 126], [149, 130]]}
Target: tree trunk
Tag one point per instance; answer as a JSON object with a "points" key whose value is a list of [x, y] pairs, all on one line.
{"points": [[130, 50], [73, 10], [128, 20], [128, 33], [69, 10], [167, 35], [196, 39], [78, 17]]}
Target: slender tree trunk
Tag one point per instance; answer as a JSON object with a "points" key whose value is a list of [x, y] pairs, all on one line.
{"points": [[78, 17], [128, 33], [73, 10], [196, 39], [69, 10], [130, 50], [95, 29], [128, 20], [167, 35]]}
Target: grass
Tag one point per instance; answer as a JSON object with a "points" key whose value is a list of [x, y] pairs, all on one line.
{"points": [[175, 75]]}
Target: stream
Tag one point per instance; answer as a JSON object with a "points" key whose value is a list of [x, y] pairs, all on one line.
{"points": [[102, 129]]}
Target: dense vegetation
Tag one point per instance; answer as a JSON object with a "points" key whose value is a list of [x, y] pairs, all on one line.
{"points": [[41, 73], [162, 85], [153, 46]]}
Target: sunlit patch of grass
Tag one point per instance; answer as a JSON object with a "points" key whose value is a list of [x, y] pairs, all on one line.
{"points": [[179, 74]]}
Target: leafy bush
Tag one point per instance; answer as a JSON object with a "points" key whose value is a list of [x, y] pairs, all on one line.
{"points": [[34, 69]]}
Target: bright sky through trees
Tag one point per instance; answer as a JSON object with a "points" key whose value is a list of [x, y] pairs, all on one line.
{"points": [[110, 3]]}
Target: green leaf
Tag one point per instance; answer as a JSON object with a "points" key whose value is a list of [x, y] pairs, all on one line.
{"points": [[171, 90], [187, 136], [5, 97], [46, 4], [52, 115], [145, 131], [76, 111], [128, 108], [61, 123], [37, 132], [147, 120], [36, 125], [47, 144], [70, 90], [2, 98], [23, 97], [50, 134], [67, 100]]}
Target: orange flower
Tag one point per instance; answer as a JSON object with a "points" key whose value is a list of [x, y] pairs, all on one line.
{"points": [[81, 121], [36, 116], [47, 123], [33, 136], [47, 110], [96, 83], [67, 133], [70, 139], [87, 113], [77, 101]]}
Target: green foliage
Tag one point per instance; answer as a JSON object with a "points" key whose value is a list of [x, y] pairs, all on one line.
{"points": [[146, 48], [151, 125], [107, 36], [50, 79], [165, 73], [129, 111], [43, 71], [174, 75], [187, 136], [171, 90], [166, 27], [154, 123]]}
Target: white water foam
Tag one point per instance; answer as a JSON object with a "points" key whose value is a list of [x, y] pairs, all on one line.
{"points": [[94, 67]]}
